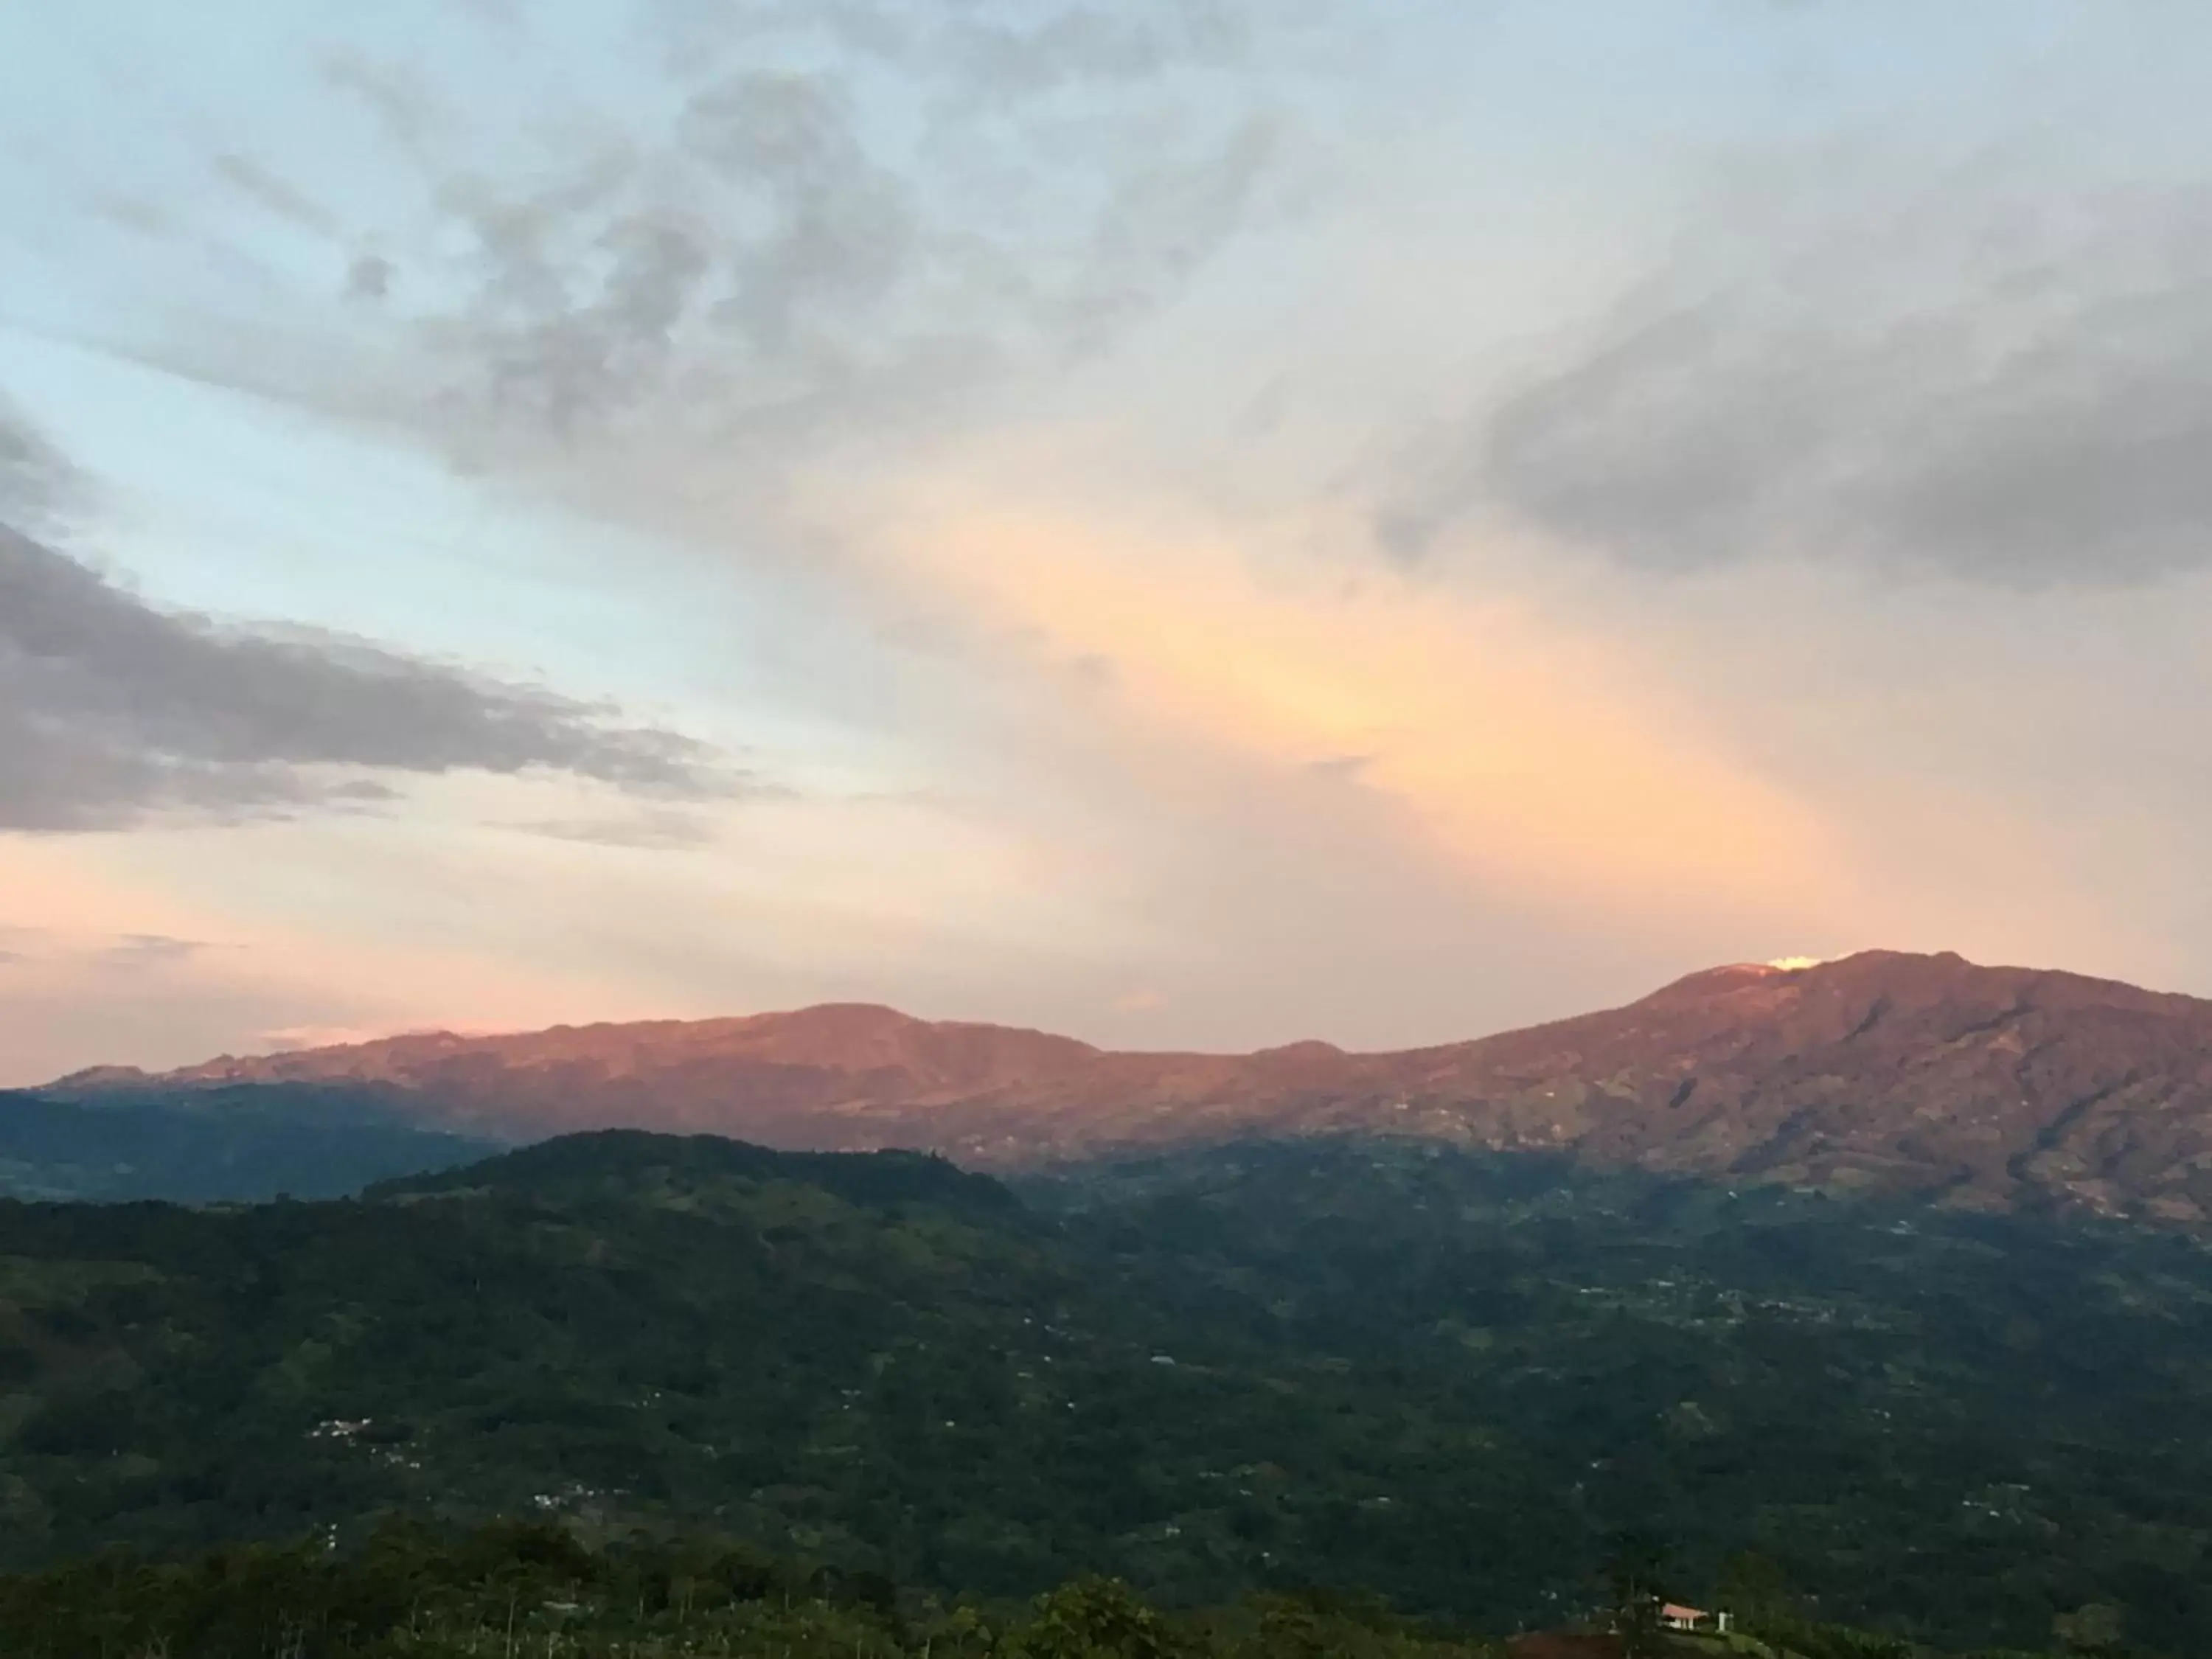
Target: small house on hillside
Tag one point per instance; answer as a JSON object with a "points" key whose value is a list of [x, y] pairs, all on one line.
{"points": [[1675, 1616]]}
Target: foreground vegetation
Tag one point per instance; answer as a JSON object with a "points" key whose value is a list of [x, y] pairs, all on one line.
{"points": [[1444, 1377], [527, 1590], [534, 1590]]}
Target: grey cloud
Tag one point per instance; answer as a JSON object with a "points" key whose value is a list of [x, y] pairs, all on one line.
{"points": [[134, 215], [791, 130], [2018, 399], [499, 14], [657, 831], [367, 791], [38, 485], [1159, 228], [1082, 44], [143, 950], [111, 710], [370, 278], [126, 952], [403, 107], [837, 231], [257, 183], [558, 349], [1006, 51], [749, 289], [767, 291], [1343, 769], [1097, 44]]}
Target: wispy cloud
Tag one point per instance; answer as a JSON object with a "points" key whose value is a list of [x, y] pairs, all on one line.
{"points": [[756, 262], [98, 954], [659, 831], [272, 194], [155, 950], [410, 113]]}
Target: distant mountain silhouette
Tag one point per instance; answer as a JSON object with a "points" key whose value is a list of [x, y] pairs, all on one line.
{"points": [[235, 1143], [1992, 1087]]}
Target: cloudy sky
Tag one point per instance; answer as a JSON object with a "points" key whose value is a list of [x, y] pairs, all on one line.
{"points": [[1189, 522]]}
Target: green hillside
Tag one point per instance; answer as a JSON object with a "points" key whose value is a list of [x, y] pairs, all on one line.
{"points": [[1449, 1379]]}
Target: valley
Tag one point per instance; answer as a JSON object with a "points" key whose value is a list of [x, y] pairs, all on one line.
{"points": [[1443, 1376]]}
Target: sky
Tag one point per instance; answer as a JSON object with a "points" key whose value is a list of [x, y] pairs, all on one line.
{"points": [[1192, 523]]}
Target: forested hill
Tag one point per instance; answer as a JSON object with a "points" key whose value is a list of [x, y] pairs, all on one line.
{"points": [[614, 1168], [1447, 1377]]}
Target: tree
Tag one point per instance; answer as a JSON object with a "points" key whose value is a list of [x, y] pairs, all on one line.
{"points": [[1290, 1628], [2097, 1628], [1753, 1587], [1634, 1577], [1096, 1618]]}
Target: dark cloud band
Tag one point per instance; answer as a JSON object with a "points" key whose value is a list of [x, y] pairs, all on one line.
{"points": [[111, 710]]}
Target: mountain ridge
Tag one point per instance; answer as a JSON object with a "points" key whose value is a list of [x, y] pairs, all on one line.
{"points": [[1989, 1086]]}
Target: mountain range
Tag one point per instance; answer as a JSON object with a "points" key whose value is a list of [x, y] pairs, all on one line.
{"points": [[1989, 1088]]}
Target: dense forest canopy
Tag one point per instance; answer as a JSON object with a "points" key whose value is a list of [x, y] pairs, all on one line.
{"points": [[1445, 1378]]}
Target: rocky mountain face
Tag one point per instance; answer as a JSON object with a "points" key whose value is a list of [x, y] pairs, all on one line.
{"points": [[1992, 1087]]}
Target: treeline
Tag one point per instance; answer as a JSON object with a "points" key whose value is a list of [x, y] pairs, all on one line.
{"points": [[533, 1590]]}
